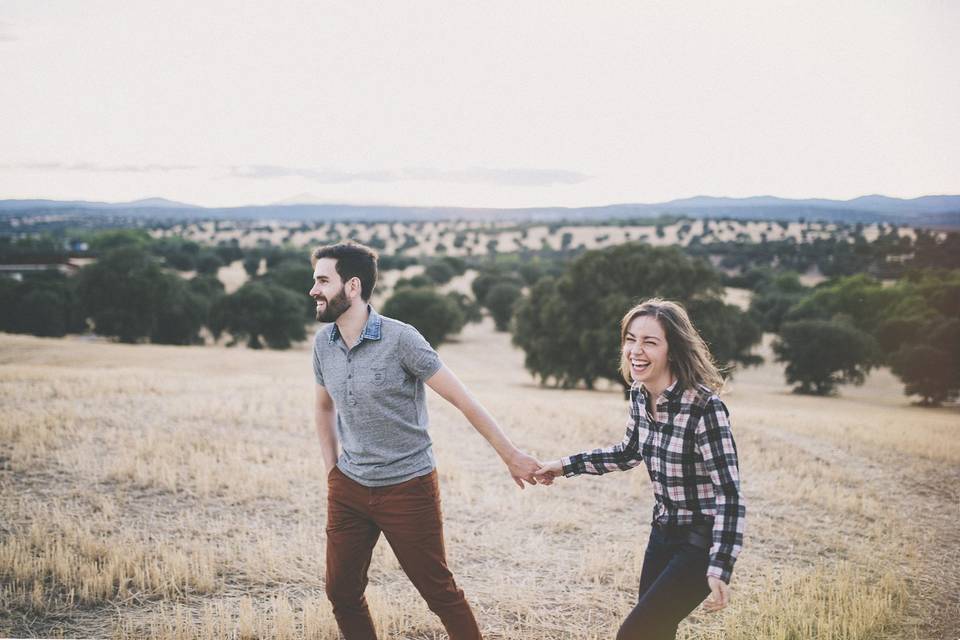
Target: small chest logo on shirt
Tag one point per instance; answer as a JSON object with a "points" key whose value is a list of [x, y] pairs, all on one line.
{"points": [[379, 375]]}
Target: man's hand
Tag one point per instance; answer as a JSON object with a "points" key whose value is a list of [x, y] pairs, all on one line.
{"points": [[522, 467], [548, 471], [329, 466], [719, 595]]}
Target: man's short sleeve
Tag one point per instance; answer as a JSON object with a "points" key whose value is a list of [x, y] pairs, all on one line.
{"points": [[317, 371], [416, 354]]}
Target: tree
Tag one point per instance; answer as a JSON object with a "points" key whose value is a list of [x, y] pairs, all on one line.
{"points": [[389, 262], [490, 277], [104, 241], [915, 322], [569, 328], [820, 354], [863, 299], [434, 315], [260, 310], [925, 318], [229, 251], [122, 293], [42, 312], [181, 314], [414, 282], [440, 272], [208, 263], [500, 301], [208, 287], [177, 253], [928, 372], [530, 272], [251, 264], [44, 304], [925, 344], [206, 290], [297, 277], [127, 295], [469, 307], [458, 265], [775, 297]]}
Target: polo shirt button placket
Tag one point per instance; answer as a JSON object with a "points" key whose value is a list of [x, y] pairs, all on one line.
{"points": [[353, 401]]}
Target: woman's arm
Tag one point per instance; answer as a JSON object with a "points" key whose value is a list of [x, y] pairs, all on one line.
{"points": [[719, 452], [619, 457]]}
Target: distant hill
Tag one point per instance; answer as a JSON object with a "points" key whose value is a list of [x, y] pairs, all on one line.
{"points": [[59, 205], [935, 211]]}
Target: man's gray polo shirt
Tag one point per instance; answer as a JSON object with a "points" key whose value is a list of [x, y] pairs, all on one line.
{"points": [[377, 387]]}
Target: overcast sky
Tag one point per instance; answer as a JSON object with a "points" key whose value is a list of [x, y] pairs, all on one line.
{"points": [[487, 103]]}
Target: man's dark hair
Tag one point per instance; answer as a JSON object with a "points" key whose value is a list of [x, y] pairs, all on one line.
{"points": [[354, 260]]}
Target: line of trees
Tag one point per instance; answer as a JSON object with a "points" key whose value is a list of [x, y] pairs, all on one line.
{"points": [[888, 256], [132, 293], [838, 332], [561, 308]]}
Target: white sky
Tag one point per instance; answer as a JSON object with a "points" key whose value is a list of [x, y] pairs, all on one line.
{"points": [[487, 103]]}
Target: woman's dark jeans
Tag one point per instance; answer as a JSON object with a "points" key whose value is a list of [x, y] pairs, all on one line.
{"points": [[673, 582]]}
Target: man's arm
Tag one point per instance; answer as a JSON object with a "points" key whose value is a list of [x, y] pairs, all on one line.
{"points": [[521, 465], [325, 417]]}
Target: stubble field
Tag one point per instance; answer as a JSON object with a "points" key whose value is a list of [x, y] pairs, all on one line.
{"points": [[168, 492]]}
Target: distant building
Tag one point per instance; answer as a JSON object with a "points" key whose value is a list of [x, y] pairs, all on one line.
{"points": [[17, 268]]}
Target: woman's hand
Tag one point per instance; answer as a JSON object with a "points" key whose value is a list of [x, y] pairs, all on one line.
{"points": [[548, 471], [719, 595]]}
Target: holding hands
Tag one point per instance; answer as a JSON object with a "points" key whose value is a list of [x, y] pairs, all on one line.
{"points": [[522, 467], [548, 471], [525, 468]]}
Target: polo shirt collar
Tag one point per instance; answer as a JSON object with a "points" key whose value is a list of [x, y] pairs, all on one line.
{"points": [[371, 330]]}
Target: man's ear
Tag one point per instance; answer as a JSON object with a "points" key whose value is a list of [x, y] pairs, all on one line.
{"points": [[354, 288]]}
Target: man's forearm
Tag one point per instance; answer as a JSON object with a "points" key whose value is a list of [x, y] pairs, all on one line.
{"points": [[326, 430], [487, 427]]}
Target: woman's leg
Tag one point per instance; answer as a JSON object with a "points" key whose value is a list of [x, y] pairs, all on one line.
{"points": [[673, 594], [655, 560]]}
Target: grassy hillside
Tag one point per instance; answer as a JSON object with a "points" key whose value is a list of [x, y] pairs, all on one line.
{"points": [[177, 492]]}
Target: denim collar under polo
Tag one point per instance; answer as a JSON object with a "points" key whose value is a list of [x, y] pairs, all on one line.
{"points": [[371, 330]]}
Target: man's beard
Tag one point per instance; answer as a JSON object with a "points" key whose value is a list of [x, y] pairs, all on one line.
{"points": [[334, 307]]}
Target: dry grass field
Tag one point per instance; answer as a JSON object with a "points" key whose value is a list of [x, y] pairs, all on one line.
{"points": [[168, 492]]}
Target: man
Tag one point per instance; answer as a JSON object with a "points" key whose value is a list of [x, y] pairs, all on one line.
{"points": [[370, 401]]}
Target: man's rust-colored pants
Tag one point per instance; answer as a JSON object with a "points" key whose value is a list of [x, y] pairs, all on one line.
{"points": [[409, 516]]}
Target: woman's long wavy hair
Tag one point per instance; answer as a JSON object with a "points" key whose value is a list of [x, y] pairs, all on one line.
{"points": [[689, 356]]}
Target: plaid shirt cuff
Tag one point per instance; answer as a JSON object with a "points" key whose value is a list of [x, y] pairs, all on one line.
{"points": [[722, 570], [573, 465]]}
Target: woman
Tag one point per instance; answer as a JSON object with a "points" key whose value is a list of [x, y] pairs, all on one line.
{"points": [[680, 428]]}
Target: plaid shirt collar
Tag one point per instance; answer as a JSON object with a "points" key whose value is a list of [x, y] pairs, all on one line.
{"points": [[673, 393], [371, 330]]}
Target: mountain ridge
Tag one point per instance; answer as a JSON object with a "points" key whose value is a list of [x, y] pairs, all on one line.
{"points": [[932, 210]]}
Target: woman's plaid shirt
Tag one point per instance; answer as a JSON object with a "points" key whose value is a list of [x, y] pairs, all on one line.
{"points": [[692, 460]]}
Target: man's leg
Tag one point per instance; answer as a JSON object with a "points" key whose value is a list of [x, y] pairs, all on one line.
{"points": [[351, 536], [411, 520]]}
